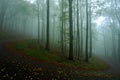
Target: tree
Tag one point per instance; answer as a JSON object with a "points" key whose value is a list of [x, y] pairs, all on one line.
{"points": [[3, 10], [47, 31], [90, 31], [63, 24], [81, 31], [38, 16], [62, 34], [43, 22], [78, 31], [87, 21], [71, 31], [117, 11]]}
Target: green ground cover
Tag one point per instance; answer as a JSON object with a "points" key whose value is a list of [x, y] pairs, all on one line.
{"points": [[31, 48]]}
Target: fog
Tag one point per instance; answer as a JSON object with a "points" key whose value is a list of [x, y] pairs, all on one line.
{"points": [[76, 29], [25, 17]]}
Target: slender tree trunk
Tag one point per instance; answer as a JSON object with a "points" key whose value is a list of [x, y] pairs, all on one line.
{"points": [[74, 33], [117, 11], [24, 26], [47, 31], [53, 30], [71, 31], [90, 31], [65, 40], [38, 26], [105, 47], [86, 55], [42, 27], [78, 31], [43, 24], [113, 44], [81, 20], [119, 46], [62, 32]]}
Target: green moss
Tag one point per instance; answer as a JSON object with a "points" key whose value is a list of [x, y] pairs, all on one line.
{"points": [[95, 64], [19, 47], [32, 53], [33, 49]]}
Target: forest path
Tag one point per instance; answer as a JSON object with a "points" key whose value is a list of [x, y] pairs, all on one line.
{"points": [[14, 67], [114, 65]]}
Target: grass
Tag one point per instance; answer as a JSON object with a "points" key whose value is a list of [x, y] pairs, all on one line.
{"points": [[31, 48], [94, 64], [35, 50], [32, 53]]}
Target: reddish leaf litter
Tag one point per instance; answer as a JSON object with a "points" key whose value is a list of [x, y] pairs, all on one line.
{"points": [[16, 65]]}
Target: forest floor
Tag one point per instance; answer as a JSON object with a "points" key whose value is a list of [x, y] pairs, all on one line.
{"points": [[16, 67], [114, 64]]}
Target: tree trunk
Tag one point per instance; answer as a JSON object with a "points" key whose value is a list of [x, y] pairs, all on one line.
{"points": [[3, 13], [86, 55], [113, 43], [119, 45], [105, 46], [90, 31], [62, 33], [38, 25], [78, 32], [71, 31], [47, 31], [81, 31]]}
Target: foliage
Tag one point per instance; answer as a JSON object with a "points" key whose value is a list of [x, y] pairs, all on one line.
{"points": [[95, 64], [31, 48]]}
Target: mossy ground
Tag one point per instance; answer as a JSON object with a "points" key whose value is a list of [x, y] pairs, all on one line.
{"points": [[31, 48]]}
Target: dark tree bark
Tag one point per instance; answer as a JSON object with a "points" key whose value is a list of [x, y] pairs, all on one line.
{"points": [[71, 31], [62, 34], [87, 29], [78, 31], [47, 31]]}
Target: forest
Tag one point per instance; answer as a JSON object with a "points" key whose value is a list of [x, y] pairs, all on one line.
{"points": [[59, 39]]}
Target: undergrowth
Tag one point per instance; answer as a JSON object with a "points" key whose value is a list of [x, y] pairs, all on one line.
{"points": [[31, 48]]}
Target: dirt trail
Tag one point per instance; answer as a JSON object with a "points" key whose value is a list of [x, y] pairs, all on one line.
{"points": [[14, 67], [114, 66]]}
